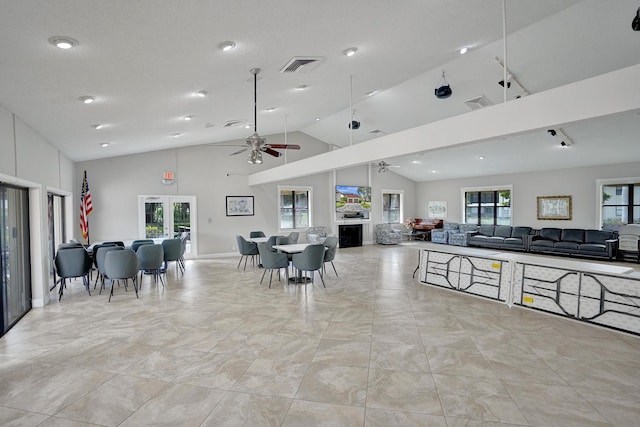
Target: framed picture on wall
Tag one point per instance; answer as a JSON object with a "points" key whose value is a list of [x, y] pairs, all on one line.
{"points": [[239, 205], [554, 207], [437, 209]]}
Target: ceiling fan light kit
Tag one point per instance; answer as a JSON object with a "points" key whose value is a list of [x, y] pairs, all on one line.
{"points": [[443, 90]]}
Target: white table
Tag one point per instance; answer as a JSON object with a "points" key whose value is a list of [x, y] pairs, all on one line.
{"points": [[294, 248], [257, 239]]}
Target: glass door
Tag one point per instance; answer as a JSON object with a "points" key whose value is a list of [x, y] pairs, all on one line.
{"points": [[168, 217], [55, 220], [15, 273]]}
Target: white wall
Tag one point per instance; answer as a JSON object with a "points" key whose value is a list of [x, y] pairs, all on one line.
{"points": [[580, 183], [29, 161]]}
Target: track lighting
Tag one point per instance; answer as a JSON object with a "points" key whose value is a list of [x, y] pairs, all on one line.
{"points": [[552, 132], [564, 144]]}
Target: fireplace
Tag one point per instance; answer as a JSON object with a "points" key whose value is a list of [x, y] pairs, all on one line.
{"points": [[350, 235]]}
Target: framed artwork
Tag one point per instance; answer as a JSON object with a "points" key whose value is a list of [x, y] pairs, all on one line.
{"points": [[554, 207], [239, 205], [437, 209]]}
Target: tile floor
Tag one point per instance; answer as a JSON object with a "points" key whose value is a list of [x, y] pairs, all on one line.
{"points": [[375, 348]]}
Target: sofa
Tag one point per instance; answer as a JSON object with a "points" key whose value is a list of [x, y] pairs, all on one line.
{"points": [[386, 234], [441, 235], [575, 242], [460, 237], [501, 237]]}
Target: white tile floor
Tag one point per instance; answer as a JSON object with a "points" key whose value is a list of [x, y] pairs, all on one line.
{"points": [[375, 348]]}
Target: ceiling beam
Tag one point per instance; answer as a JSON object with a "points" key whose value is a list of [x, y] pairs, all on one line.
{"points": [[607, 94]]}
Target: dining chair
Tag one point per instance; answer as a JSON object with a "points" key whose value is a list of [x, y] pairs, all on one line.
{"points": [[246, 249], [137, 243], [99, 255], [293, 237], [273, 260], [70, 263], [122, 265], [310, 259], [172, 252], [151, 259], [331, 245], [183, 250], [270, 242], [253, 234], [115, 242]]}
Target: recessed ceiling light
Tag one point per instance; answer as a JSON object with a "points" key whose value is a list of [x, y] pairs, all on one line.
{"points": [[104, 145], [302, 87], [416, 162], [481, 157], [63, 42], [247, 126], [350, 51], [226, 46], [87, 99], [317, 119], [201, 93], [177, 134], [97, 126], [269, 110], [187, 118], [434, 171], [464, 50]]}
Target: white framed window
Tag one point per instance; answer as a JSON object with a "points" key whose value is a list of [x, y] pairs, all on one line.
{"points": [[294, 207], [619, 202], [392, 206], [487, 205]]}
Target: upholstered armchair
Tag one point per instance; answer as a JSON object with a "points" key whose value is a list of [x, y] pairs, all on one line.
{"points": [[461, 237], [441, 235], [316, 235], [387, 235]]}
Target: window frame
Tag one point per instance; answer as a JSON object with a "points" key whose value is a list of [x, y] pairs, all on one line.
{"points": [[631, 183], [400, 208], [295, 188], [496, 189]]}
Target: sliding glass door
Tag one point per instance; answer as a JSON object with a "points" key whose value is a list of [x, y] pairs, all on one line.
{"points": [[15, 271]]}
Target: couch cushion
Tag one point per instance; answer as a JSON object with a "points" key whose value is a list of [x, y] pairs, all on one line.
{"points": [[487, 230], [502, 231], [513, 241], [519, 232], [479, 238], [597, 236], [593, 247], [495, 240], [552, 234], [542, 244], [463, 228], [575, 235], [566, 245]]}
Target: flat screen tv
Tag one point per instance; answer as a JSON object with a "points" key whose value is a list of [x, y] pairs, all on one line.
{"points": [[353, 202]]}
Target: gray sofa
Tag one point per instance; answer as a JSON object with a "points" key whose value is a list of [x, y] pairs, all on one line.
{"points": [[501, 237], [575, 242]]}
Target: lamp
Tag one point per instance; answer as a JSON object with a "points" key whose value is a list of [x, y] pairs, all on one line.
{"points": [[258, 157], [252, 158]]}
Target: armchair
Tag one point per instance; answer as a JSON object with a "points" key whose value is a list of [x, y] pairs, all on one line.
{"points": [[461, 237], [441, 235], [316, 235], [387, 235]]}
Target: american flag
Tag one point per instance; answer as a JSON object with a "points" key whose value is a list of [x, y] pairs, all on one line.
{"points": [[86, 207]]}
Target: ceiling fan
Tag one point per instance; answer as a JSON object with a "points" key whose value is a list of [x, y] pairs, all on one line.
{"points": [[384, 166], [256, 143]]}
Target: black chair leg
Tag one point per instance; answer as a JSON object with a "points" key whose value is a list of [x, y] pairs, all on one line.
{"points": [[263, 273], [334, 268]]}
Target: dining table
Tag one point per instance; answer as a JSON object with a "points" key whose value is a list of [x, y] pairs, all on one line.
{"points": [[294, 248]]}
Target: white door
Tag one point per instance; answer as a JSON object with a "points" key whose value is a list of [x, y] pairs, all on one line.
{"points": [[167, 217]]}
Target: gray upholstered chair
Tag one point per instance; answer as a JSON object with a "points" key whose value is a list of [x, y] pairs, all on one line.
{"points": [[272, 260], [256, 234], [331, 245], [151, 259], [122, 265], [137, 243], [172, 249], [272, 240], [387, 235], [293, 237], [461, 237], [99, 258], [441, 235], [246, 249], [72, 262], [311, 259]]}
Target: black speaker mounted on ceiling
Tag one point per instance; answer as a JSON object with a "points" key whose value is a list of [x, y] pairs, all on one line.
{"points": [[354, 125], [635, 24], [443, 90]]}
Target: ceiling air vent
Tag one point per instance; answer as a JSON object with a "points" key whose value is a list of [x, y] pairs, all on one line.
{"points": [[478, 102], [301, 64], [231, 123]]}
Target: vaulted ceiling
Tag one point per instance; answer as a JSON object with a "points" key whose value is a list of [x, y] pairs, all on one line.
{"points": [[143, 61]]}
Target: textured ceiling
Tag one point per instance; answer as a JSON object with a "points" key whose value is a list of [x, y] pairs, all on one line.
{"points": [[143, 60]]}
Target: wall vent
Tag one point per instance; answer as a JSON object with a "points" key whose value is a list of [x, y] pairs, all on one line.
{"points": [[478, 102], [301, 64]]}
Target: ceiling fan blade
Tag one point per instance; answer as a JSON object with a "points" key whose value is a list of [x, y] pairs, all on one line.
{"points": [[274, 153], [285, 146], [239, 151]]}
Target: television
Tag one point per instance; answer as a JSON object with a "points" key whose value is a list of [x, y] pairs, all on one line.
{"points": [[353, 202]]}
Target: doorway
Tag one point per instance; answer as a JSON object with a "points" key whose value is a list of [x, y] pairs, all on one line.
{"points": [[168, 217]]}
